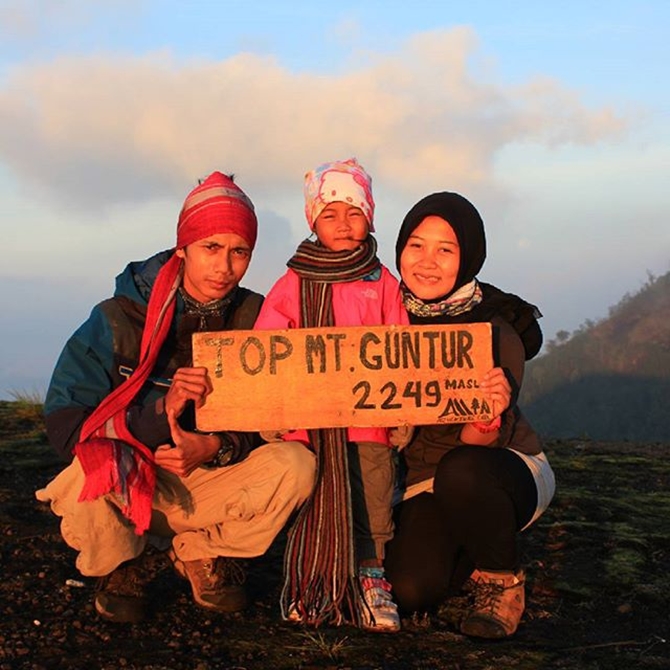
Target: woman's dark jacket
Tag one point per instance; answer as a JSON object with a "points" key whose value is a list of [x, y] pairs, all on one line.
{"points": [[516, 338]]}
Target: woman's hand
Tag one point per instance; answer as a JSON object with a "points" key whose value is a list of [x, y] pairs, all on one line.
{"points": [[496, 385], [191, 450]]}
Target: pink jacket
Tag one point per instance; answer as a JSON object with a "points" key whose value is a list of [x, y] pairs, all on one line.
{"points": [[357, 303]]}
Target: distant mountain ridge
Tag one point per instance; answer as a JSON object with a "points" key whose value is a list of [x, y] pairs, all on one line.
{"points": [[609, 380]]}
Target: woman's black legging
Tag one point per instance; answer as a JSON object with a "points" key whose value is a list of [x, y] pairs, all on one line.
{"points": [[482, 497]]}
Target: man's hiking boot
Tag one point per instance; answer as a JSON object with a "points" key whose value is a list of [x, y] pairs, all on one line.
{"points": [[381, 613], [121, 595], [499, 602], [217, 583]]}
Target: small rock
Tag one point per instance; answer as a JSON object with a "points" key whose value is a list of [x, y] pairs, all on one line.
{"points": [[74, 583]]}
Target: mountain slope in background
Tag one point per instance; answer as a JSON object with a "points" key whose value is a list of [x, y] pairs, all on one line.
{"points": [[609, 380]]}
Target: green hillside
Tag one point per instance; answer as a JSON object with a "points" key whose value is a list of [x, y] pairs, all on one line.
{"points": [[609, 380]]}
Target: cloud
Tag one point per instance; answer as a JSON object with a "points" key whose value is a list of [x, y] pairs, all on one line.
{"points": [[27, 20], [347, 31], [113, 129], [274, 247]]}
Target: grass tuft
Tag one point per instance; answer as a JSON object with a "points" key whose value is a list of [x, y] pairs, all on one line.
{"points": [[29, 405], [33, 397], [332, 649]]}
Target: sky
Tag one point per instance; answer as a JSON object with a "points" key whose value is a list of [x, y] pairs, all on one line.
{"points": [[552, 118]]}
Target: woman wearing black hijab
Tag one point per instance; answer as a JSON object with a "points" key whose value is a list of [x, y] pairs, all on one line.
{"points": [[470, 488]]}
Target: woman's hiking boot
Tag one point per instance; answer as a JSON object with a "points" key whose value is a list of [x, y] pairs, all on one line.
{"points": [[499, 602], [121, 595], [381, 613], [217, 583]]}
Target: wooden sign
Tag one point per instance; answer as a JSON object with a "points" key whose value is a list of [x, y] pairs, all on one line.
{"points": [[344, 377]]}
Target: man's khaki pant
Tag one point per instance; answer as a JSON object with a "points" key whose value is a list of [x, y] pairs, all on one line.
{"points": [[235, 511]]}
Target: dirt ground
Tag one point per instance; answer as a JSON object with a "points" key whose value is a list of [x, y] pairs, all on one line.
{"points": [[598, 585]]}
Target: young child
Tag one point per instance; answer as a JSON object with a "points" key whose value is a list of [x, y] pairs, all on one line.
{"points": [[337, 280]]}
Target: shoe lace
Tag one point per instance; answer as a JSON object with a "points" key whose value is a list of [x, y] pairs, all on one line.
{"points": [[230, 571], [126, 580], [487, 595], [206, 570]]}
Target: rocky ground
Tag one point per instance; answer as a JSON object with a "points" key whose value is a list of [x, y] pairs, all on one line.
{"points": [[598, 586]]}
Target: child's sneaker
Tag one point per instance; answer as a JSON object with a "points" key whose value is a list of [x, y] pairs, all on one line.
{"points": [[381, 613]]}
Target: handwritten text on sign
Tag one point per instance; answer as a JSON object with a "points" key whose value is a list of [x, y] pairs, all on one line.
{"points": [[344, 377]]}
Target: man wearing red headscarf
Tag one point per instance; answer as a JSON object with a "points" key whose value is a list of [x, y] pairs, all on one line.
{"points": [[121, 408]]}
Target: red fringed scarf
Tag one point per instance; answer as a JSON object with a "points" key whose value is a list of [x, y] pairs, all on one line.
{"points": [[321, 580], [113, 460]]}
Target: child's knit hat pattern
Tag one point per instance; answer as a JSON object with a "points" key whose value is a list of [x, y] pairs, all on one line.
{"points": [[338, 181]]}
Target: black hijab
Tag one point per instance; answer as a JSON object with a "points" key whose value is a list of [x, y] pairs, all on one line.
{"points": [[462, 216], [468, 226]]}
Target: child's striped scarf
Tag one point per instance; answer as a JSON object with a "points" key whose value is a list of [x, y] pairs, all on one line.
{"points": [[320, 576], [112, 459]]}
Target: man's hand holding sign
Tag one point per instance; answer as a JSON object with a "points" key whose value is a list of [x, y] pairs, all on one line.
{"points": [[354, 376]]}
